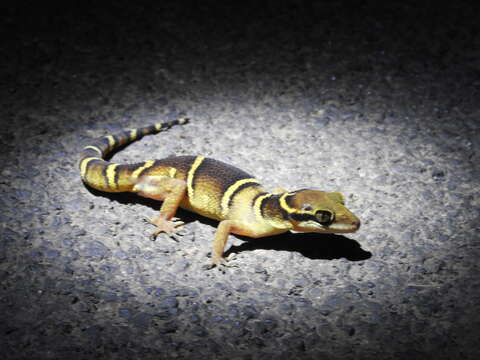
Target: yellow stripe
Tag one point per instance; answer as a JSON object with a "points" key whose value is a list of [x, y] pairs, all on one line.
{"points": [[172, 172], [139, 170], [111, 176], [229, 192], [273, 221], [133, 134], [182, 121], [191, 175], [158, 127], [256, 206], [84, 165], [284, 205], [94, 148], [111, 141]]}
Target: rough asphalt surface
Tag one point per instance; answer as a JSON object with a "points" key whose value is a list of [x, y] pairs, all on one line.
{"points": [[381, 102]]}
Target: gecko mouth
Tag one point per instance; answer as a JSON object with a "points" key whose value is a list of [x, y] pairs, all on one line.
{"points": [[339, 227], [354, 226]]}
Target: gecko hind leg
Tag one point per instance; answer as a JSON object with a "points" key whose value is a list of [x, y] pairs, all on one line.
{"points": [[169, 227], [169, 190]]}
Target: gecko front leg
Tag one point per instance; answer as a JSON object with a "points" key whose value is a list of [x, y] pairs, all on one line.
{"points": [[221, 236], [239, 227]]}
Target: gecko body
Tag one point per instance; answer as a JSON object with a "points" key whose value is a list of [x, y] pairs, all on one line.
{"points": [[213, 189]]}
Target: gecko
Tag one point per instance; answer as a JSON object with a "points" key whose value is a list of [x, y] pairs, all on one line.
{"points": [[213, 189]]}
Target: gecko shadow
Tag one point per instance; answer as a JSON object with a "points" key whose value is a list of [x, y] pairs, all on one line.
{"points": [[311, 245], [126, 198]]}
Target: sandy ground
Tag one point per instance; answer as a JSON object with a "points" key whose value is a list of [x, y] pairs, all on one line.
{"points": [[380, 102]]}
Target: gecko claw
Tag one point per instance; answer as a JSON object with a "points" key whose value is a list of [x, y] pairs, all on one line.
{"points": [[222, 263], [163, 225]]}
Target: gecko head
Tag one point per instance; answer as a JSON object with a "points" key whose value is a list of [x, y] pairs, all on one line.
{"points": [[319, 211]]}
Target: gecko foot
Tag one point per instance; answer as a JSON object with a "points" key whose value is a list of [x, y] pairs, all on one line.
{"points": [[221, 262], [163, 225]]}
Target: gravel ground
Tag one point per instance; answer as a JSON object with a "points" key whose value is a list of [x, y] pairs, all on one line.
{"points": [[381, 102]]}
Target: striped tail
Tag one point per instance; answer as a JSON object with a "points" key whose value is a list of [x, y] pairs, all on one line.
{"points": [[111, 177]]}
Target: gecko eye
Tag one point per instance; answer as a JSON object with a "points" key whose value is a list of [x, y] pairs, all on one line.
{"points": [[324, 217]]}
